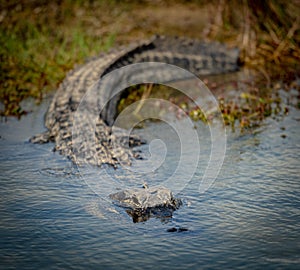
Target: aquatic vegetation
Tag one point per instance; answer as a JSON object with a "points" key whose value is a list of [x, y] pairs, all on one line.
{"points": [[243, 110], [249, 110]]}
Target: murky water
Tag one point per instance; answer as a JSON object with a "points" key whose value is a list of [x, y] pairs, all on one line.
{"points": [[250, 218]]}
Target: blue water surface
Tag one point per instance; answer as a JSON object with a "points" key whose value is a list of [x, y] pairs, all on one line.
{"points": [[50, 218]]}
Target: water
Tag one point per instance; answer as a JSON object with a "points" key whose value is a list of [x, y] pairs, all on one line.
{"points": [[250, 218]]}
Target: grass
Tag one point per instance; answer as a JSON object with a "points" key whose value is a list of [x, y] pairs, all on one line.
{"points": [[35, 56], [40, 41]]}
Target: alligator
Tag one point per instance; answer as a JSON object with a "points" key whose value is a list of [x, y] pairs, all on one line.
{"points": [[112, 148], [198, 57]]}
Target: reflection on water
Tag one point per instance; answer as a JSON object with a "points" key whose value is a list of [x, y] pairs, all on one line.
{"points": [[250, 218]]}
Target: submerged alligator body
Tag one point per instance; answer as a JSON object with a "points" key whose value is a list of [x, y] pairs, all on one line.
{"points": [[198, 57]]}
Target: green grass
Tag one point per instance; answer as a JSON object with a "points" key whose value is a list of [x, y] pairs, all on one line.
{"points": [[35, 56], [35, 62]]}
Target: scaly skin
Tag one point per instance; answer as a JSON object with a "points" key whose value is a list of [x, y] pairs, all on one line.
{"points": [[197, 57]]}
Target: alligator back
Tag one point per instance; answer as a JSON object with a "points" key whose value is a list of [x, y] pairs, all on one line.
{"points": [[197, 57]]}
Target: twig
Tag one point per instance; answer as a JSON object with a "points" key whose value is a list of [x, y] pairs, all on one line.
{"points": [[145, 95], [283, 43]]}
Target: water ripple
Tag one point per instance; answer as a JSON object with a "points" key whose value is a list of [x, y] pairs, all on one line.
{"points": [[250, 218]]}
